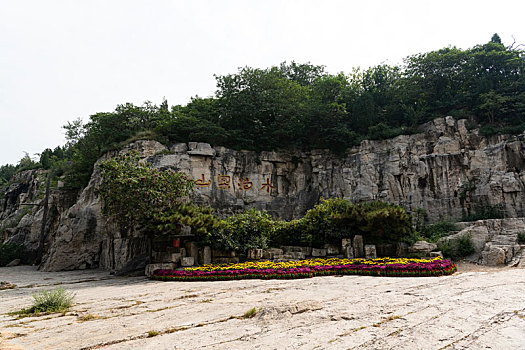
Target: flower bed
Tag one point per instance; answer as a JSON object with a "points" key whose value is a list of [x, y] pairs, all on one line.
{"points": [[310, 268]]}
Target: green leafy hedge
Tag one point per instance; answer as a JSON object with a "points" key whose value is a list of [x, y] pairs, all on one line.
{"points": [[328, 222], [440, 229], [243, 231], [333, 219]]}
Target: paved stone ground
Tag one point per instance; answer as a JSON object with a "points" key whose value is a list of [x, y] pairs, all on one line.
{"points": [[473, 309]]}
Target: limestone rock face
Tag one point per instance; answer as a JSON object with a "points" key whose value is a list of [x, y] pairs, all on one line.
{"points": [[84, 238], [446, 169], [21, 210]]}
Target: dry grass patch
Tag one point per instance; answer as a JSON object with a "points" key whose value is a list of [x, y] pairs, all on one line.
{"points": [[352, 331], [388, 319], [187, 296], [90, 317], [137, 302]]}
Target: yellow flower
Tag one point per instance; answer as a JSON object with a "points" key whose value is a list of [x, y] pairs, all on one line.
{"points": [[308, 263]]}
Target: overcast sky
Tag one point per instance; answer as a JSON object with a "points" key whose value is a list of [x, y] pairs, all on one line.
{"points": [[61, 60]]}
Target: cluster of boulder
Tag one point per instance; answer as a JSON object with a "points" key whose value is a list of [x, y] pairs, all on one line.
{"points": [[496, 242]]}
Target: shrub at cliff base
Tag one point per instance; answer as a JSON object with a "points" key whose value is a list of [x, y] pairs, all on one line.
{"points": [[310, 268], [460, 248], [242, 231], [336, 218]]}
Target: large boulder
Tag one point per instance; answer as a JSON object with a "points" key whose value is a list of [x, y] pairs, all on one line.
{"points": [[370, 251], [331, 249], [493, 256], [422, 248], [201, 149]]}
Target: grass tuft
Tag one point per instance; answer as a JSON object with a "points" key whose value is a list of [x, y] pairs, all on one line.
{"points": [[46, 301], [250, 313], [388, 319]]}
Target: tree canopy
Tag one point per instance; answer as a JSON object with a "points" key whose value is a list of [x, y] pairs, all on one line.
{"points": [[301, 106]]}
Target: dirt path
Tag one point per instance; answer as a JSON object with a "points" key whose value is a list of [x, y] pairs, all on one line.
{"points": [[472, 309]]}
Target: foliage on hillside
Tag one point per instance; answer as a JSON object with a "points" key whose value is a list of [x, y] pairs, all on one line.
{"points": [[300, 106], [139, 196]]}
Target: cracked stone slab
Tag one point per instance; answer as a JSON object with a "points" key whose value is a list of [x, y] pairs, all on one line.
{"points": [[478, 307]]}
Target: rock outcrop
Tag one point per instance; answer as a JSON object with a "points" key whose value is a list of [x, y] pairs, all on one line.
{"points": [[446, 169], [495, 241], [21, 210]]}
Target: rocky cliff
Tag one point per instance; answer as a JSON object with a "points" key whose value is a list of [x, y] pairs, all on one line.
{"points": [[446, 169]]}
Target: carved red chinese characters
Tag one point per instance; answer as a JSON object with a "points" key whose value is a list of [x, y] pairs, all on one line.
{"points": [[245, 184], [223, 181], [202, 182], [267, 185]]}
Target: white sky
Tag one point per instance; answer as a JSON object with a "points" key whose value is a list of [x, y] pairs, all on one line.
{"points": [[60, 60]]}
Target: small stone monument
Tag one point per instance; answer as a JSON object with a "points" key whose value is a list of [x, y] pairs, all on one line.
{"points": [[370, 251], [359, 249]]}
